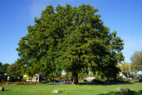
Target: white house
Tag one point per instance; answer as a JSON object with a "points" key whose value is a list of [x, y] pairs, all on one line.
{"points": [[139, 77], [35, 79]]}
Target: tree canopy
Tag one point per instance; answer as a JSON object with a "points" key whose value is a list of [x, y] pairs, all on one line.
{"points": [[70, 39], [0, 64], [3, 67], [136, 61], [13, 70]]}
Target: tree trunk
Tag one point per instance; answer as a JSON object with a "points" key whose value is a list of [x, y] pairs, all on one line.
{"points": [[75, 77]]}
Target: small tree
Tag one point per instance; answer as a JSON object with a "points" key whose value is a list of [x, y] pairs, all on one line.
{"points": [[136, 62], [13, 70], [3, 68], [0, 64], [62, 76]]}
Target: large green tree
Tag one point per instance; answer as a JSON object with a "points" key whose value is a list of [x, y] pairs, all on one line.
{"points": [[87, 38], [69, 39], [136, 61]]}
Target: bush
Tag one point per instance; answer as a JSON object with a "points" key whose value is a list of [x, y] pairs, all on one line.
{"points": [[25, 83], [11, 79], [48, 80], [96, 78], [128, 80], [57, 79], [121, 78], [33, 82], [140, 80], [116, 80], [134, 80], [3, 78], [85, 80], [105, 79]]}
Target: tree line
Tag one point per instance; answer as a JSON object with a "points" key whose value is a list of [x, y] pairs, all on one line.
{"points": [[14, 71], [3, 67]]}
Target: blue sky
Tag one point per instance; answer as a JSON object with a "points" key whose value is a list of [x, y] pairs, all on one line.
{"points": [[124, 16]]}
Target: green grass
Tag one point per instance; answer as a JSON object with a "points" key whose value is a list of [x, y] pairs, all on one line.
{"points": [[69, 89]]}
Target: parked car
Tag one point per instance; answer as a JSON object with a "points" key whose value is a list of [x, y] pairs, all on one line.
{"points": [[97, 81], [67, 81]]}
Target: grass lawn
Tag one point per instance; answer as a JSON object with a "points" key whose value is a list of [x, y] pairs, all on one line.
{"points": [[69, 89]]}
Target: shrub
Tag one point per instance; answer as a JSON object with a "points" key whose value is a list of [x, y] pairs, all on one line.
{"points": [[0, 79], [121, 78], [48, 80], [31, 83], [140, 80], [10, 82], [11, 79], [104, 79], [128, 80], [96, 78], [85, 80], [57, 79], [3, 78]]}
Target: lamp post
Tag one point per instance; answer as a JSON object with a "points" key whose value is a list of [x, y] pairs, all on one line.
{"points": [[38, 78], [8, 79]]}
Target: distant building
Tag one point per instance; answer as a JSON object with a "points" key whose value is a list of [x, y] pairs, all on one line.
{"points": [[3, 74], [35, 78], [90, 78], [125, 75], [139, 77]]}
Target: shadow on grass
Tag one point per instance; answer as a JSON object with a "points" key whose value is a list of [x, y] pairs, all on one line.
{"points": [[4, 90], [118, 83], [88, 83], [128, 93], [103, 84]]}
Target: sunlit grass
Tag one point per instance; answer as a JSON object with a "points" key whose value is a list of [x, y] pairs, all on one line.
{"points": [[68, 89]]}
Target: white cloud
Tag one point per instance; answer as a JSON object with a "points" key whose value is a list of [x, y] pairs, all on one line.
{"points": [[132, 42]]}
